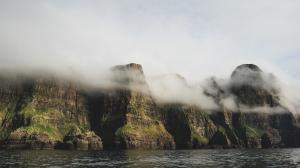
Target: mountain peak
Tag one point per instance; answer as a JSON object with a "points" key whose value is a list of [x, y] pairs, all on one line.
{"points": [[253, 87], [245, 70], [249, 66], [129, 75], [131, 67]]}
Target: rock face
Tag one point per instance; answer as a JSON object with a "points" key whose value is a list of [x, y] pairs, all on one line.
{"points": [[23, 139], [38, 112], [40, 106], [76, 139], [125, 117], [190, 127], [262, 126], [275, 125]]}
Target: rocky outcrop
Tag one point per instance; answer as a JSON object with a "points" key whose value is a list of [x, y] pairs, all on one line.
{"points": [[220, 139], [24, 139], [266, 141], [76, 139], [143, 133]]}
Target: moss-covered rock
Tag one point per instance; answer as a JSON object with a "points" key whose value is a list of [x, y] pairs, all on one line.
{"points": [[150, 135], [29, 138], [76, 139]]}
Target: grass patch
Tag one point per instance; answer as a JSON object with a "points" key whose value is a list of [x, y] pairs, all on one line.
{"points": [[222, 129], [153, 130], [199, 139], [53, 133], [253, 132], [29, 111], [68, 127], [137, 104], [4, 133]]}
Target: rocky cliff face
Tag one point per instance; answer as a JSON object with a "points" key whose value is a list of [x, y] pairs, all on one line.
{"points": [[38, 106], [51, 112], [126, 117], [259, 115], [190, 126]]}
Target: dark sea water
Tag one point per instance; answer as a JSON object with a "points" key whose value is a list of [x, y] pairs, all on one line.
{"points": [[134, 158]]}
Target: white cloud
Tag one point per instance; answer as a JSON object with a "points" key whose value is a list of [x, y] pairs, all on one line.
{"points": [[195, 38]]}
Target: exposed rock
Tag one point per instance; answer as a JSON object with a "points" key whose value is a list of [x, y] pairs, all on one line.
{"points": [[220, 139], [22, 139], [130, 76], [266, 141], [253, 142], [190, 127], [75, 139]]}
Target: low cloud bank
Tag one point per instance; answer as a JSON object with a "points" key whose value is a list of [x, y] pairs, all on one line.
{"points": [[216, 93], [197, 39]]}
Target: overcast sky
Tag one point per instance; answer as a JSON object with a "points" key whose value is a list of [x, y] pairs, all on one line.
{"points": [[194, 38]]}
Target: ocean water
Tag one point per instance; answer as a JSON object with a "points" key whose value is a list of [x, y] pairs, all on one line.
{"points": [[137, 158]]}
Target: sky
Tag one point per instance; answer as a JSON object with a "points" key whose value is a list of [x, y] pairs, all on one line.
{"points": [[196, 39]]}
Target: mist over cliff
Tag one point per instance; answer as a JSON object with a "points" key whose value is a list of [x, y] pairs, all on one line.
{"points": [[197, 40], [131, 111], [211, 94]]}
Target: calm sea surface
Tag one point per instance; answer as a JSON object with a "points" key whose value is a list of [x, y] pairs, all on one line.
{"points": [[177, 158]]}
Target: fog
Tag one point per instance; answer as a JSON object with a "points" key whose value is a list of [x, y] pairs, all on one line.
{"points": [[197, 39], [214, 94]]}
